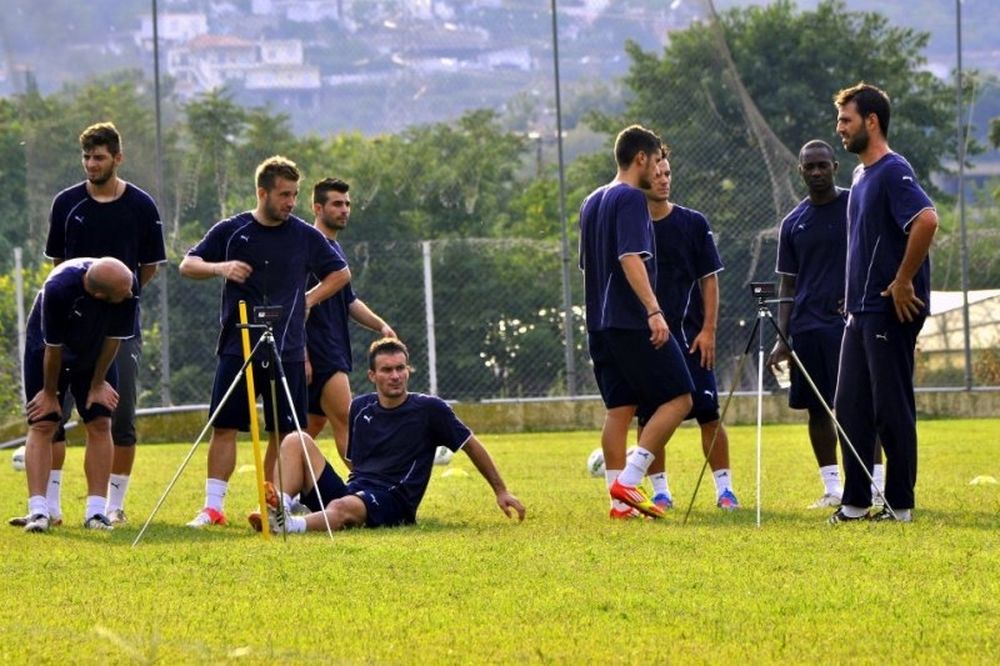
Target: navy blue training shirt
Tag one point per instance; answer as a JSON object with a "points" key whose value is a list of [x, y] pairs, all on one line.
{"points": [[65, 315], [885, 199], [685, 253], [394, 448], [282, 258], [327, 334], [614, 222], [812, 247]]}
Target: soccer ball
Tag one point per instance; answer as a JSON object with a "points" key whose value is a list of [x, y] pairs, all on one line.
{"points": [[595, 463], [17, 459], [443, 455]]}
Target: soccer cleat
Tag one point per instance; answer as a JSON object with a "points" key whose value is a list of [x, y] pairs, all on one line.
{"points": [[827, 501], [22, 521], [727, 501], [98, 521], [275, 516], [840, 517], [298, 508], [118, 517], [624, 514], [886, 516], [663, 500], [207, 516], [39, 522], [636, 498]]}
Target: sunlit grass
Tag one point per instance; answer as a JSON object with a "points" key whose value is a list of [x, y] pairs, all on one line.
{"points": [[567, 585]]}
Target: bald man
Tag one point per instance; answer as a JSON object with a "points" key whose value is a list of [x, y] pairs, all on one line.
{"points": [[82, 312]]}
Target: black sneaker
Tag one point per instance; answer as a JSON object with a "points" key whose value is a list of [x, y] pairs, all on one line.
{"points": [[886, 516], [840, 517], [98, 521]]}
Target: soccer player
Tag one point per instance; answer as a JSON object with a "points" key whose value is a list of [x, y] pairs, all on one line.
{"points": [[82, 312], [812, 251], [394, 435], [264, 256], [687, 288], [328, 341], [107, 216], [891, 224], [636, 359]]}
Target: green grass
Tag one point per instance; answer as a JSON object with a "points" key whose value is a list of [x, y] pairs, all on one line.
{"points": [[567, 585]]}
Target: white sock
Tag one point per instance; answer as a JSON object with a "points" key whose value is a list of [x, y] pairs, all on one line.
{"points": [[95, 505], [723, 480], [215, 494], [878, 474], [117, 485], [635, 467], [286, 502], [609, 477], [660, 484], [295, 524], [52, 493], [38, 504], [831, 480]]}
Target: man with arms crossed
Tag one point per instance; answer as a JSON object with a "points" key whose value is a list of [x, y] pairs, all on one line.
{"points": [[636, 360], [328, 358], [812, 249], [83, 310], [264, 256], [393, 437], [891, 224], [687, 288]]}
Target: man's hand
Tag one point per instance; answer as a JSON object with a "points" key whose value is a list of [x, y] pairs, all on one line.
{"points": [[705, 343], [659, 332], [904, 299], [508, 503], [102, 394], [42, 404], [387, 332], [236, 271], [779, 354]]}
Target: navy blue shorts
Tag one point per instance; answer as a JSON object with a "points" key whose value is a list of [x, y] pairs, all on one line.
{"points": [[819, 351], [630, 371], [76, 380], [319, 381], [383, 507], [236, 414], [704, 398]]}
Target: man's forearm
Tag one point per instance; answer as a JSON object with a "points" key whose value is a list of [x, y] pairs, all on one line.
{"points": [[328, 286], [918, 244], [484, 463], [710, 298], [108, 351], [638, 279], [51, 365], [362, 314]]}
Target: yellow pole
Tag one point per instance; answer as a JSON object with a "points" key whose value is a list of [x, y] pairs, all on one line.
{"points": [[254, 427]]}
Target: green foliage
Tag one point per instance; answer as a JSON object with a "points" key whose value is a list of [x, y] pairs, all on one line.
{"points": [[11, 405], [466, 586]]}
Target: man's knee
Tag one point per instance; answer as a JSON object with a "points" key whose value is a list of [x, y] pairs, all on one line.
{"points": [[43, 429], [99, 426], [348, 511]]}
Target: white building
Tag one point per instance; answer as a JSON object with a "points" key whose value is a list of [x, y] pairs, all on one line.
{"points": [[172, 28]]}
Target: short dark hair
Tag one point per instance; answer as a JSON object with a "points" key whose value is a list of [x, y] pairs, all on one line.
{"points": [[868, 99], [817, 143], [270, 170], [386, 346], [633, 140], [327, 185], [101, 134]]}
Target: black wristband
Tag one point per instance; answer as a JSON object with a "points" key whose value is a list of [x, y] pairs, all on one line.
{"points": [[654, 313]]}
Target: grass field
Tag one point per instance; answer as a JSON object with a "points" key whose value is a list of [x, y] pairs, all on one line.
{"points": [[566, 586]]}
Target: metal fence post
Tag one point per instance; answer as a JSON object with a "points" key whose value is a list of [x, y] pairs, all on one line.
{"points": [[429, 318], [19, 298]]}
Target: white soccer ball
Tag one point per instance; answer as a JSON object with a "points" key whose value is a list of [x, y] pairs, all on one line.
{"points": [[17, 459], [443, 455], [595, 463]]}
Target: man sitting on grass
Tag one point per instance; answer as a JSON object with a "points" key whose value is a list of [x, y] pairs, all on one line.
{"points": [[391, 444]]}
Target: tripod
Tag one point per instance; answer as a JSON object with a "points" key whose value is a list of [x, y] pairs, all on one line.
{"points": [[267, 315], [764, 293]]}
